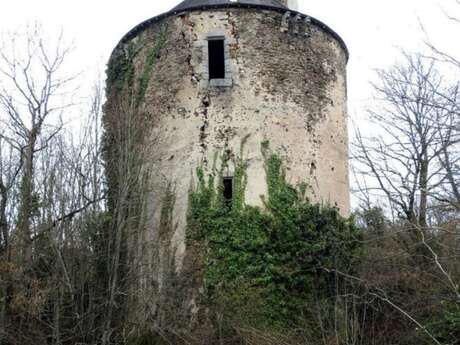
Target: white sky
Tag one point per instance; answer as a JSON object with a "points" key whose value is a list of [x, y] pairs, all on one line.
{"points": [[373, 30]]}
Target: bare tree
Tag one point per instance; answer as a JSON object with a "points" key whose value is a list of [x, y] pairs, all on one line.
{"points": [[9, 171], [31, 95], [409, 161], [450, 158], [412, 163], [51, 197], [126, 177]]}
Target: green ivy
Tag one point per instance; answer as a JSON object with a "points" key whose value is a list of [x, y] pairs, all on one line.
{"points": [[445, 325], [266, 264], [120, 69], [149, 65]]}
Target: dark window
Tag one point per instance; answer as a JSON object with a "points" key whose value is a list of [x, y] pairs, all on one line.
{"points": [[228, 190], [216, 59]]}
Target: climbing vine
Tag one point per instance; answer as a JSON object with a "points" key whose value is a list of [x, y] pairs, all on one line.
{"points": [[152, 57], [126, 87], [166, 216], [121, 69], [266, 264]]}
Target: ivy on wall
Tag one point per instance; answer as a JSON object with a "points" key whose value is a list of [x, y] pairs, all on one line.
{"points": [[121, 68], [265, 264], [151, 59], [127, 81]]}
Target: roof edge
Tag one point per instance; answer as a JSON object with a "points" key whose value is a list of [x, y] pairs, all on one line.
{"points": [[142, 26]]}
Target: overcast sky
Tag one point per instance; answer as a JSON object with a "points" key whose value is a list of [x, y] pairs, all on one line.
{"points": [[373, 30]]}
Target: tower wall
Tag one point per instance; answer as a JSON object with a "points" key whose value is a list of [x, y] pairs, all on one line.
{"points": [[285, 83]]}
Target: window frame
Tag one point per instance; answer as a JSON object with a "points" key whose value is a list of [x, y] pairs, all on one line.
{"points": [[216, 39], [226, 82], [225, 184]]}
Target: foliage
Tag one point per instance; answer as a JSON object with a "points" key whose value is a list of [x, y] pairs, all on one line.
{"points": [[96, 234], [371, 219], [149, 65], [401, 293], [121, 69], [148, 339], [445, 325], [266, 263]]}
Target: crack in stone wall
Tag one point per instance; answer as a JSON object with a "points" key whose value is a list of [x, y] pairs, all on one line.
{"points": [[287, 87]]}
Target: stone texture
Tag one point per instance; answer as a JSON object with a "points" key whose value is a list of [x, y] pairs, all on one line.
{"points": [[287, 87]]}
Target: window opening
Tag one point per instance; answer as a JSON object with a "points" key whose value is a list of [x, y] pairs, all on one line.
{"points": [[216, 59], [228, 190]]}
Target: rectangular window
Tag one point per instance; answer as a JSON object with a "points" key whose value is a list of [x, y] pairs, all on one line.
{"points": [[228, 190], [216, 58]]}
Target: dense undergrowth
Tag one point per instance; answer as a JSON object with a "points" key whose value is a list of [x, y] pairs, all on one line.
{"points": [[265, 267]]}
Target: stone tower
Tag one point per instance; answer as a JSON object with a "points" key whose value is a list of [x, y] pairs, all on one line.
{"points": [[190, 84]]}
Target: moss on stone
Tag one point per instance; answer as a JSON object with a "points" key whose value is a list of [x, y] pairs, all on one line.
{"points": [[120, 70], [149, 65]]}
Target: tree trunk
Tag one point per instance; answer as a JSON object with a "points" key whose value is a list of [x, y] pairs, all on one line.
{"points": [[57, 317], [26, 201], [450, 177], [423, 186], [115, 256], [4, 236]]}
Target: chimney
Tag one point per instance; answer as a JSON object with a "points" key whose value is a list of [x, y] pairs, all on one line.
{"points": [[291, 4]]}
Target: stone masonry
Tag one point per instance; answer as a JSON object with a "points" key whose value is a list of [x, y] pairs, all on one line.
{"points": [[285, 83]]}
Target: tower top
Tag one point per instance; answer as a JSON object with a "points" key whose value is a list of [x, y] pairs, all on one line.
{"points": [[188, 5], [288, 7]]}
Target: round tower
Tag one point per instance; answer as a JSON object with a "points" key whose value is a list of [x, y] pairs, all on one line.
{"points": [[208, 78]]}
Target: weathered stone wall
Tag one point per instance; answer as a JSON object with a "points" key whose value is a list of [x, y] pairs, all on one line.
{"points": [[287, 85]]}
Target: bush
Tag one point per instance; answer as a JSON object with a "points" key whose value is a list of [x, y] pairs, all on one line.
{"points": [[264, 267]]}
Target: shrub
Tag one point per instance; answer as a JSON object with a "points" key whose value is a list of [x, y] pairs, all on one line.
{"points": [[265, 266]]}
